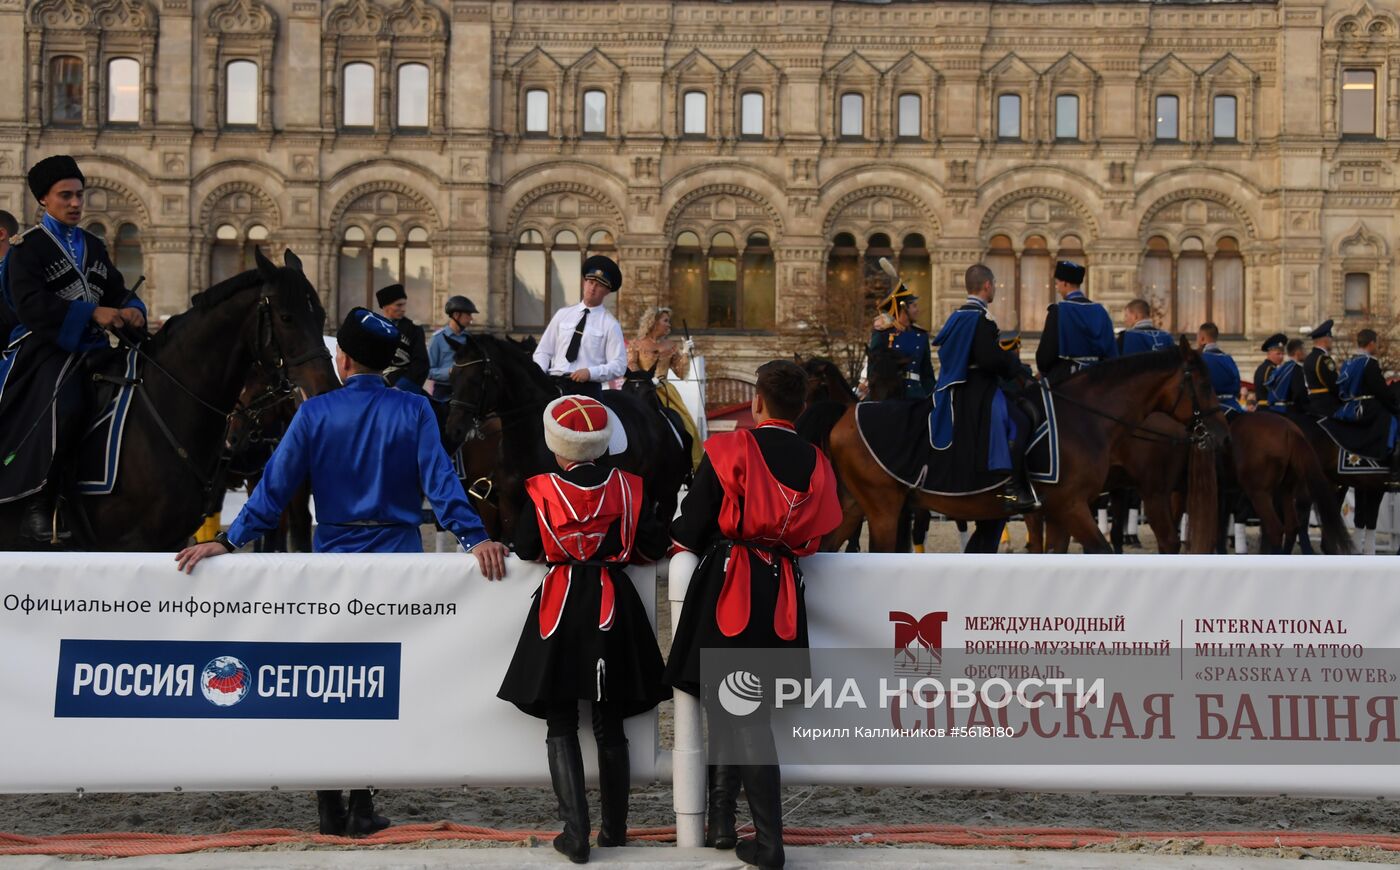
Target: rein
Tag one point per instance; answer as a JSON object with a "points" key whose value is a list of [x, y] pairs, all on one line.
{"points": [[1199, 436]]}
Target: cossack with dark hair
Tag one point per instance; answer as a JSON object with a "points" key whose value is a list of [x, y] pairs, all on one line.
{"points": [[1140, 307], [783, 386], [1210, 330], [1294, 345], [8, 223], [1365, 337], [976, 276]]}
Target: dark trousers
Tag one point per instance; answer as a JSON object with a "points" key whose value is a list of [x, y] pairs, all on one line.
{"points": [[562, 720], [568, 387]]}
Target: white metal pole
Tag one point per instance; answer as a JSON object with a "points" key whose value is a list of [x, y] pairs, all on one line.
{"points": [[688, 751]]}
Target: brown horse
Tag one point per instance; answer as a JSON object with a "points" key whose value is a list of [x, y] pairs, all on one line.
{"points": [[1369, 489], [1269, 460], [1096, 409]]}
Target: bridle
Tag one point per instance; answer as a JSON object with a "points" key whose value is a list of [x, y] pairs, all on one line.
{"points": [[266, 343], [1198, 433]]}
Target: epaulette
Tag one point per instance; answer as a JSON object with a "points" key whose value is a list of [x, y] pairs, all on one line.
{"points": [[18, 238]]}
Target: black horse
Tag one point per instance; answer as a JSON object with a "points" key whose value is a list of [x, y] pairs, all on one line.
{"points": [[191, 374], [495, 378], [642, 384]]}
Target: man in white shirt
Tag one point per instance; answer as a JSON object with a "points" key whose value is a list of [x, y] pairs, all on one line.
{"points": [[583, 345]]}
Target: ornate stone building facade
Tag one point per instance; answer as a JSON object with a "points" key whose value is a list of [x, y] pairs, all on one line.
{"points": [[1232, 161]]}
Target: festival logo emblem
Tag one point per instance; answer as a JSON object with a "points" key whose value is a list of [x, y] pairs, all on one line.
{"points": [[741, 693], [918, 642], [225, 681]]}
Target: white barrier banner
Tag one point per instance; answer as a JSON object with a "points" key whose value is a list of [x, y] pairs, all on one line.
{"points": [[1257, 654], [120, 674]]}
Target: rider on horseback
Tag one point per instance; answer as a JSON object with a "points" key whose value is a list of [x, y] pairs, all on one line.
{"points": [[973, 363], [1367, 397], [901, 309], [443, 348], [1273, 348], [1320, 370], [1224, 374], [1287, 388], [1078, 333], [1142, 335], [409, 369], [65, 292]]}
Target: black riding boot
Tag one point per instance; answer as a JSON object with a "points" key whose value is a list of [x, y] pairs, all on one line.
{"points": [[763, 786], [331, 804], [614, 792], [361, 820], [566, 772], [1017, 492], [723, 800], [40, 521]]}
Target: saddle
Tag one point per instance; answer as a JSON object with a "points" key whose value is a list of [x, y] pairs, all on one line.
{"points": [[900, 434]]}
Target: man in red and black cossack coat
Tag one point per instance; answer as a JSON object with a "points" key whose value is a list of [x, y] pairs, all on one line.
{"points": [[760, 500], [587, 636]]}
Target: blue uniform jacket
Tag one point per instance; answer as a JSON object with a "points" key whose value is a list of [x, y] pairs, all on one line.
{"points": [[370, 453], [919, 379], [442, 351], [1143, 339], [1280, 385], [1224, 378]]}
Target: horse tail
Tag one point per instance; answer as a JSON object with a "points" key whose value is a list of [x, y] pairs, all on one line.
{"points": [[1201, 498], [1307, 469], [817, 421]]}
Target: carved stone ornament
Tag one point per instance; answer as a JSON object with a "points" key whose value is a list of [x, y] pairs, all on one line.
{"points": [[242, 16]]}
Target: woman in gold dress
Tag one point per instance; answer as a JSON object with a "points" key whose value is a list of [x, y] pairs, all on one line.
{"points": [[654, 347]]}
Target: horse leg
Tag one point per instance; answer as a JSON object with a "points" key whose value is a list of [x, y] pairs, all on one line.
{"points": [[903, 536], [986, 538], [849, 530], [1158, 509], [884, 530], [1270, 525], [1080, 524], [1056, 538], [1035, 532]]}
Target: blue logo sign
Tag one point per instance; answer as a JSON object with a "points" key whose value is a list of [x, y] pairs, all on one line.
{"points": [[161, 679]]}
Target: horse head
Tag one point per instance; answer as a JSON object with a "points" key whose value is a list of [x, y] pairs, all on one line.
{"points": [[1193, 403], [286, 335], [885, 373], [641, 383], [476, 387]]}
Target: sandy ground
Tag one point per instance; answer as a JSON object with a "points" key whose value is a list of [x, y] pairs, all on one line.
{"points": [[817, 806]]}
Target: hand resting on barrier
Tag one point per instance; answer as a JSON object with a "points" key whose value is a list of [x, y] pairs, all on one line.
{"points": [[490, 556]]}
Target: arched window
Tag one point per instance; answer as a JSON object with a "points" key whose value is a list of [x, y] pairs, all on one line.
{"points": [[751, 117], [844, 277], [876, 283], [688, 279], [530, 296], [911, 112], [565, 271], [1037, 291], [123, 91], [601, 242], [1001, 259], [722, 282], [1199, 285], [126, 253], [537, 112], [914, 269], [359, 95], [549, 275], [1067, 117], [595, 113], [99, 230], [241, 94], [759, 285], [353, 287], [232, 253], [413, 96], [387, 257], [696, 114], [852, 116], [418, 275], [65, 90]]}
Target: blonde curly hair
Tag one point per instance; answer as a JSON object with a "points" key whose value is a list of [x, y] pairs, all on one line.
{"points": [[648, 320]]}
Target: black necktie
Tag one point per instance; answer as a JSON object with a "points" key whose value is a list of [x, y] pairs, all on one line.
{"points": [[572, 353]]}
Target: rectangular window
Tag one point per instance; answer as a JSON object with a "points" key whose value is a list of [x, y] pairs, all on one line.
{"points": [[1066, 116], [695, 110], [751, 115], [66, 91], [595, 112], [1227, 294], [1166, 126], [1356, 293], [529, 290], [1191, 291], [911, 110], [359, 95], [852, 115], [723, 285], [1009, 116], [1359, 102], [537, 111], [241, 94], [413, 96], [123, 91], [1225, 127], [1036, 291]]}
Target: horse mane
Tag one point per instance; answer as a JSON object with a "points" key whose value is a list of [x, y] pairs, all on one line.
{"points": [[507, 353], [226, 290], [823, 367], [1128, 366]]}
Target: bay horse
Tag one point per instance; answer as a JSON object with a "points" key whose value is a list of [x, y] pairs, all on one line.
{"points": [[189, 380], [264, 412], [1096, 408], [1269, 460], [495, 378]]}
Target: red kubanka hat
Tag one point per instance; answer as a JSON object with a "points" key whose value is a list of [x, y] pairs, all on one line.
{"points": [[577, 428]]}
